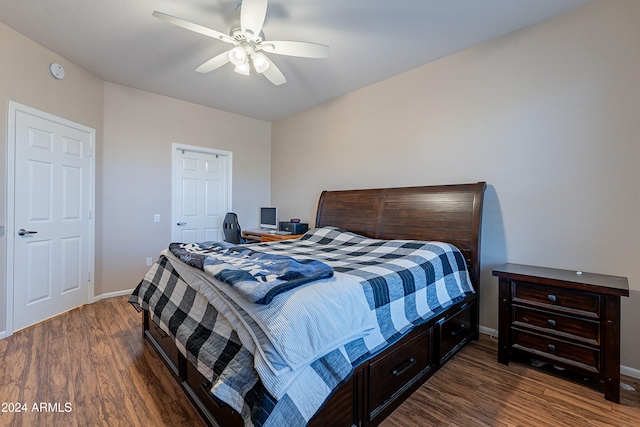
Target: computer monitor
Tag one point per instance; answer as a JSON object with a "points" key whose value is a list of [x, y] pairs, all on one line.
{"points": [[269, 218]]}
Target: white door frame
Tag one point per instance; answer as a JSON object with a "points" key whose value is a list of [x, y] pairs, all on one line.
{"points": [[175, 147], [14, 107]]}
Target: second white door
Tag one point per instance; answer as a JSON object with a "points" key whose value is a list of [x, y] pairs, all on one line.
{"points": [[201, 193]]}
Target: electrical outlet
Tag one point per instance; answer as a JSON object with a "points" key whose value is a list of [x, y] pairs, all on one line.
{"points": [[149, 262], [156, 218]]}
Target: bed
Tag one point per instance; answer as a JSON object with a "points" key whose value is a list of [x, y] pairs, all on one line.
{"points": [[377, 243]]}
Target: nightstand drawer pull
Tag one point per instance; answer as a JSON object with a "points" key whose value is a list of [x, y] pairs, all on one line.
{"points": [[551, 347], [552, 298], [551, 323]]}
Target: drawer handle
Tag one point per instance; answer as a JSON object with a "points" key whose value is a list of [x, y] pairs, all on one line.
{"points": [[552, 298], [409, 363], [207, 386], [461, 328], [551, 323], [160, 332], [551, 347]]}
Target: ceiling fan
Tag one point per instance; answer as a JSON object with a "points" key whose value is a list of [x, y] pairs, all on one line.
{"points": [[249, 43]]}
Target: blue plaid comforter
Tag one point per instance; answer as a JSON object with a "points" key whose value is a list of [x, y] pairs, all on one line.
{"points": [[405, 282]]}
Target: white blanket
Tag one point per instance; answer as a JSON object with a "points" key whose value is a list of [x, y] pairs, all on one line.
{"points": [[296, 328]]}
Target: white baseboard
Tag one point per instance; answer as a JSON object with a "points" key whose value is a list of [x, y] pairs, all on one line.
{"points": [[493, 333], [624, 370], [630, 372], [3, 334], [112, 294]]}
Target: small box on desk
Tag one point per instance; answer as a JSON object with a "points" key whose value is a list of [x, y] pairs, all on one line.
{"points": [[294, 227]]}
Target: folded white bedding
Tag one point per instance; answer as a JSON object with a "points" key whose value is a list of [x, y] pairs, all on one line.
{"points": [[296, 328]]}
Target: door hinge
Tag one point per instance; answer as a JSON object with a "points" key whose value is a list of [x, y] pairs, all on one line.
{"points": [[90, 151], [90, 214]]}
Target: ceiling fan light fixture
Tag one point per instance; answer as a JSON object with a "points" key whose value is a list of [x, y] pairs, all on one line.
{"points": [[238, 56], [249, 43], [260, 62], [243, 69]]}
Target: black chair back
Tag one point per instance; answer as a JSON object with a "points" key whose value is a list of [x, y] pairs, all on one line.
{"points": [[231, 227]]}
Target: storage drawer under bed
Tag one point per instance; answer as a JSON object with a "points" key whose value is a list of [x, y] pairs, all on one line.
{"points": [[395, 371], [455, 331], [163, 342], [197, 387]]}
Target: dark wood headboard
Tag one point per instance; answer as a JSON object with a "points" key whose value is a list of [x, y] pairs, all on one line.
{"points": [[445, 213]]}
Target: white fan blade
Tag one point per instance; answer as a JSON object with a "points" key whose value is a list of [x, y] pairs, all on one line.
{"points": [[302, 49], [274, 74], [252, 14], [194, 27], [213, 63]]}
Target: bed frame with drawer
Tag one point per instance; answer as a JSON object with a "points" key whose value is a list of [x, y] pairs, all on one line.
{"points": [[448, 213]]}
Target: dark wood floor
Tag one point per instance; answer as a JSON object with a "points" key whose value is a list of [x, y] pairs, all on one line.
{"points": [[473, 389], [94, 359]]}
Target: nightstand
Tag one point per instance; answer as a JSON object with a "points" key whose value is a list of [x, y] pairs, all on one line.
{"points": [[570, 319]]}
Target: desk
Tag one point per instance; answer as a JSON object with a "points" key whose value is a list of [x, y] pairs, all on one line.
{"points": [[265, 236]]}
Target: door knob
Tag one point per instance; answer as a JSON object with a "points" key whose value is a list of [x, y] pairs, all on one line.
{"points": [[180, 224], [23, 232]]}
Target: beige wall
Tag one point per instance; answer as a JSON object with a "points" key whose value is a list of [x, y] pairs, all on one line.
{"points": [[136, 181], [548, 116], [134, 132]]}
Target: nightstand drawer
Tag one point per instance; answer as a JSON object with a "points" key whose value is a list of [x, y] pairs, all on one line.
{"points": [[575, 355], [585, 304], [587, 331]]}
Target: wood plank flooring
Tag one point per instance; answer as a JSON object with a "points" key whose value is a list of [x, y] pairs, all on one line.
{"points": [[473, 389], [91, 367], [94, 358]]}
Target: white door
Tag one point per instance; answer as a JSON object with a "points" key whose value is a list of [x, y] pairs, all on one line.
{"points": [[52, 235], [201, 193]]}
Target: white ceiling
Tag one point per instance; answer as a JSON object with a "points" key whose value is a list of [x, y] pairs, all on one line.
{"points": [[370, 40]]}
